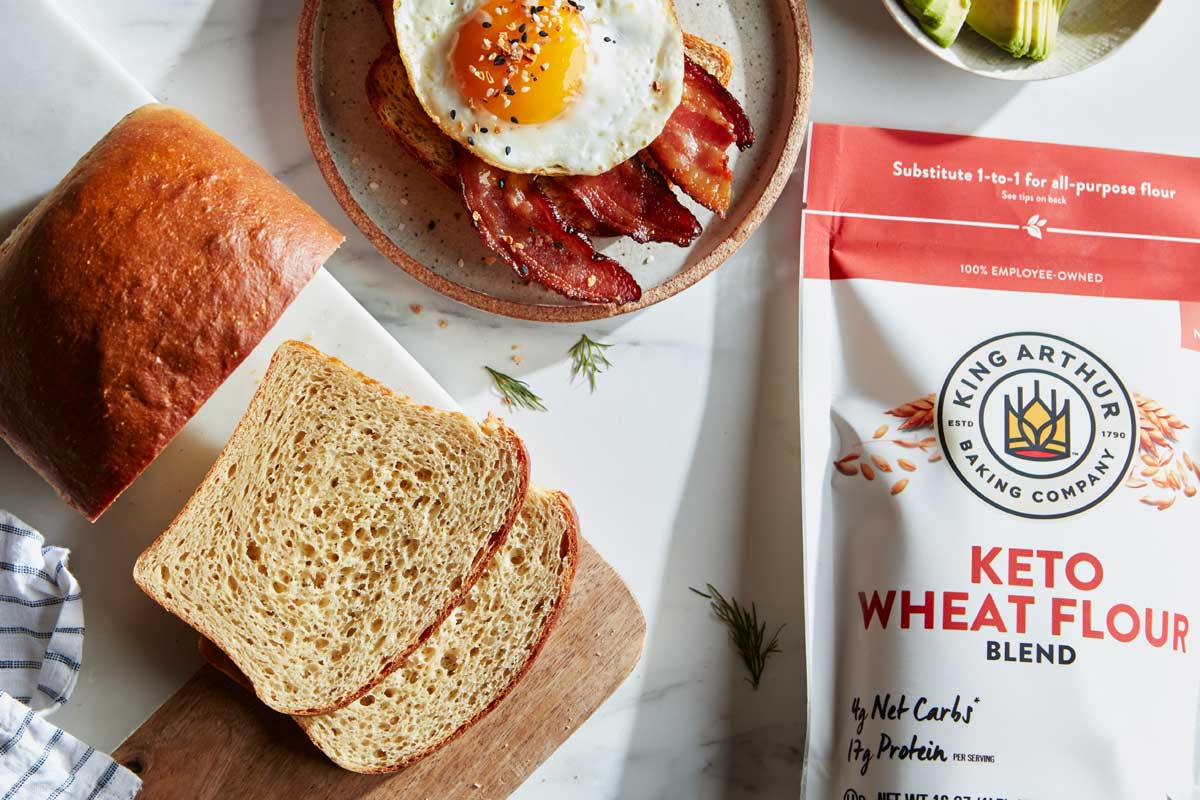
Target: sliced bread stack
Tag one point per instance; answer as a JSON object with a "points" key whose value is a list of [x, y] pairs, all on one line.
{"points": [[347, 534]]}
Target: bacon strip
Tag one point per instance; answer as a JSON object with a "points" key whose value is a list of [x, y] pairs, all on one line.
{"points": [[634, 201], [691, 148], [517, 222], [571, 211]]}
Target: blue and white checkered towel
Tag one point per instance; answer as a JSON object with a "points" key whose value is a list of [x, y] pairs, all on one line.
{"points": [[41, 649]]}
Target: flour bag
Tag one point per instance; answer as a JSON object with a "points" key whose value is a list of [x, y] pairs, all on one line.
{"points": [[1000, 365]]}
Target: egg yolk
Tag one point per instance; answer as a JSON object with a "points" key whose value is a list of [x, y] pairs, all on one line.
{"points": [[524, 63]]}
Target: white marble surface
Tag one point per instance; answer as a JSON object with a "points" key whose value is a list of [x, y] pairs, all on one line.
{"points": [[684, 464]]}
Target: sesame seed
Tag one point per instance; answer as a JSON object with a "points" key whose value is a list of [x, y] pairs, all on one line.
{"points": [[471, 140], [483, 130], [499, 61], [487, 24], [543, 33], [515, 120], [453, 113], [502, 183], [508, 151]]}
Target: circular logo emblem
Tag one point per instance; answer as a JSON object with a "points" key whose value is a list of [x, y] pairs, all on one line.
{"points": [[1036, 425]]}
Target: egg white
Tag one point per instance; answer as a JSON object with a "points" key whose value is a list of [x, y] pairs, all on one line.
{"points": [[633, 83]]}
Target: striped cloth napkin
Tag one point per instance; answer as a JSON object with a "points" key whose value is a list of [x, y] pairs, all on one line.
{"points": [[41, 650]]}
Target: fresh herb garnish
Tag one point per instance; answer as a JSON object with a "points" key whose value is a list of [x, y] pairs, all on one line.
{"points": [[746, 633], [515, 392], [589, 359]]}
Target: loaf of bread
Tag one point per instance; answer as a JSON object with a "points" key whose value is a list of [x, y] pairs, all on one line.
{"points": [[133, 289], [338, 528], [473, 660]]}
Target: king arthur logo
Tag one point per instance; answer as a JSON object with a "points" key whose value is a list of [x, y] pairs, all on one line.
{"points": [[1036, 431], [1036, 425]]}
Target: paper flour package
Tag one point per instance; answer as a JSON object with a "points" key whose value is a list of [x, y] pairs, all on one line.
{"points": [[1001, 437]]}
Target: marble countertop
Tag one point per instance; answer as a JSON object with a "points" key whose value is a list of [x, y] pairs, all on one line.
{"points": [[685, 462]]}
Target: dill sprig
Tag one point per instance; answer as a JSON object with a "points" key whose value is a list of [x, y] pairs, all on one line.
{"points": [[746, 633], [589, 359], [515, 392]]}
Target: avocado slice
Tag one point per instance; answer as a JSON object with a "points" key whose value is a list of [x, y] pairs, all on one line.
{"points": [[941, 19], [1047, 35], [1003, 22], [1021, 27]]}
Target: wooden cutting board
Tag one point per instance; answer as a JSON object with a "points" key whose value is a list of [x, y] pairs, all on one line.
{"points": [[213, 740]]}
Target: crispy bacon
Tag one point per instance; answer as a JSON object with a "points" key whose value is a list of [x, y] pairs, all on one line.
{"points": [[691, 148], [634, 201], [517, 222], [571, 211]]}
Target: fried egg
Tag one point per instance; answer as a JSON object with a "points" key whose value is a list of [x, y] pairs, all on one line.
{"points": [[567, 87]]}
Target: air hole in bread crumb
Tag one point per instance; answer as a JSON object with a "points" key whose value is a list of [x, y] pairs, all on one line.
{"points": [[233, 584], [368, 700], [253, 551], [278, 587], [232, 469], [166, 573], [376, 625], [424, 475]]}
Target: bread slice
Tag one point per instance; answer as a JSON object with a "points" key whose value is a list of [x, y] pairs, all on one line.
{"points": [[341, 524], [396, 106], [473, 660], [133, 290]]}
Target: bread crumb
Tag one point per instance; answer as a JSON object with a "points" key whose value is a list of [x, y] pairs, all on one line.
{"points": [[647, 259], [354, 161], [403, 201], [517, 360], [415, 308], [442, 323], [476, 785], [373, 185], [461, 263]]}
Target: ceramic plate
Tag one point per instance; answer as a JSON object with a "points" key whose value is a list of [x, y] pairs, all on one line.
{"points": [[421, 226], [1089, 32]]}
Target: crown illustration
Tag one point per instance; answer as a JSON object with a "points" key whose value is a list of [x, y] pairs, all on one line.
{"points": [[1036, 431]]}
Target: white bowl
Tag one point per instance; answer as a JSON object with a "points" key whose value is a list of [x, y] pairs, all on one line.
{"points": [[1089, 32]]}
